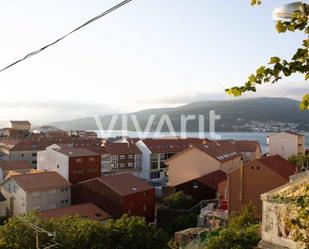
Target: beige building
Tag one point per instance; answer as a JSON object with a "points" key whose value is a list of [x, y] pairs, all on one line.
{"points": [[22, 167], [199, 160], [286, 144], [20, 125], [40, 191]]}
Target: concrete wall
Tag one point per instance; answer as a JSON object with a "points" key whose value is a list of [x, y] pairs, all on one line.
{"points": [[50, 160], [145, 165]]}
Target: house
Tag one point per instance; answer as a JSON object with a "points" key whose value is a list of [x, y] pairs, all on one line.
{"points": [[207, 187], [2, 206], [286, 144], [276, 229], [40, 191], [118, 195], [26, 150], [17, 166], [248, 182], [156, 151], [74, 164], [200, 160], [20, 125], [45, 129], [85, 210], [117, 158]]}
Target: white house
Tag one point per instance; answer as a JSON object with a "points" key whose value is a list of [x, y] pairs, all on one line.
{"points": [[39, 191], [286, 144]]}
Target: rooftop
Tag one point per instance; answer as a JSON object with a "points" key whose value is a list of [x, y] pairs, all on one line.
{"points": [[40, 181], [213, 179], [76, 152], [20, 122], [125, 184], [15, 165], [279, 165], [85, 210]]}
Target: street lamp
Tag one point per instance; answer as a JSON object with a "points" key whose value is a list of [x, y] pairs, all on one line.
{"points": [[287, 11]]}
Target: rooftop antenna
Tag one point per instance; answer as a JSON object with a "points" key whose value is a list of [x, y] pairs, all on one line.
{"points": [[51, 244]]}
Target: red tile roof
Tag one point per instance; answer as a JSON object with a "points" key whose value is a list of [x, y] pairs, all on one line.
{"points": [[76, 152], [117, 149], [222, 152], [213, 179], [15, 165], [171, 145], [87, 210], [125, 184], [40, 181], [20, 122], [242, 145], [279, 165]]}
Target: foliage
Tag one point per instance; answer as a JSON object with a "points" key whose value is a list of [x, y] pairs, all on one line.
{"points": [[245, 218], [242, 231], [231, 238], [76, 232], [300, 161], [179, 223], [278, 68], [299, 222], [179, 200]]}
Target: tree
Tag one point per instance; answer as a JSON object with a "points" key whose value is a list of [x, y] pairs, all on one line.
{"points": [[278, 68], [179, 200], [301, 161], [242, 232], [76, 232]]}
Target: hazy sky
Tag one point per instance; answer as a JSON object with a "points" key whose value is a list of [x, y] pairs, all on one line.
{"points": [[150, 53]]}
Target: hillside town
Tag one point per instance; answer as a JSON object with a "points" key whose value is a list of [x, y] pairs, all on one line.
{"points": [[67, 173]]}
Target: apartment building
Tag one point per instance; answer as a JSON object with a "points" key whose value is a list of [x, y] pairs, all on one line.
{"points": [[286, 144], [40, 191], [248, 182], [118, 195], [156, 151], [74, 164], [22, 167], [119, 157], [199, 160], [20, 125]]}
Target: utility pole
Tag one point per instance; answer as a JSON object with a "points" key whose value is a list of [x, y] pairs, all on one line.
{"points": [[50, 244]]}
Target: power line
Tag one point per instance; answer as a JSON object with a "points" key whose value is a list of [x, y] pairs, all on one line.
{"points": [[63, 37]]}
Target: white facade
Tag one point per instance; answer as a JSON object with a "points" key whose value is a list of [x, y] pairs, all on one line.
{"points": [[21, 126], [285, 144], [145, 167], [51, 160], [19, 201]]}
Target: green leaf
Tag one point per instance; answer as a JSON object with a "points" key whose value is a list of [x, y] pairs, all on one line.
{"points": [[274, 60], [281, 28]]}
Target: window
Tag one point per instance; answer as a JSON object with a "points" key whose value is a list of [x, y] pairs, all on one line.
{"points": [[155, 175], [58, 166], [22, 155], [34, 154], [130, 165], [78, 172], [91, 170], [79, 160], [34, 162], [154, 165], [64, 201], [122, 165], [91, 159], [121, 157], [64, 190], [130, 156], [144, 207], [35, 193], [52, 191], [114, 166]]}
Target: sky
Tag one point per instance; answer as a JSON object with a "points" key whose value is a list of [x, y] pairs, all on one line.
{"points": [[149, 53]]}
